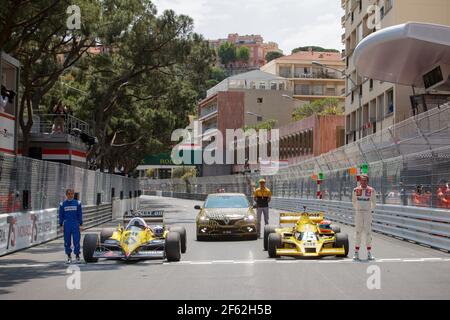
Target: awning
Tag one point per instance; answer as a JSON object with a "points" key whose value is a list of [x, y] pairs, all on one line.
{"points": [[402, 54]]}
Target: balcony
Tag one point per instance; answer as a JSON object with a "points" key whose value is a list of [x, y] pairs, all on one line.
{"points": [[207, 112], [48, 124]]}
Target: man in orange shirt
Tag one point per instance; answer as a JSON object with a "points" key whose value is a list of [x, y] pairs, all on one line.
{"points": [[443, 195]]}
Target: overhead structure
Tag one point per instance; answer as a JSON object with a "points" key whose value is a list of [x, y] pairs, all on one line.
{"points": [[413, 54]]}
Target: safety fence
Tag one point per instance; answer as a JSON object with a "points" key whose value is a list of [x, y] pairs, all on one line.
{"points": [[409, 164], [28, 184], [409, 167]]}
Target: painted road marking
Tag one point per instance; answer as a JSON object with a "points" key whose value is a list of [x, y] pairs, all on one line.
{"points": [[256, 261]]}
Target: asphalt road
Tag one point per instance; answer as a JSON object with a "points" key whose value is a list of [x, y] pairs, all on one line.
{"points": [[229, 270]]}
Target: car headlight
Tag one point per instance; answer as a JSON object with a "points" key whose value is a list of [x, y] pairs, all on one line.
{"points": [[250, 218], [204, 218]]}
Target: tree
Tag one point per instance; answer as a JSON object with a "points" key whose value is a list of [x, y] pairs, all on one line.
{"points": [[243, 54], [314, 48], [227, 53], [272, 55], [328, 106], [45, 49]]}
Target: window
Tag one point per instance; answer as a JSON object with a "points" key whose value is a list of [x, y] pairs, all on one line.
{"points": [[371, 84], [318, 90], [285, 72], [273, 86], [259, 119], [259, 100], [390, 101], [262, 85]]}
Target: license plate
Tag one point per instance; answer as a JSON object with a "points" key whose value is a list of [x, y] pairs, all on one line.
{"points": [[309, 244]]}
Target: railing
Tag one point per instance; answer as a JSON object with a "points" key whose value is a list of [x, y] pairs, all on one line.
{"points": [[58, 124]]}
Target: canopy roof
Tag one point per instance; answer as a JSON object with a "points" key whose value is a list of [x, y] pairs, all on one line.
{"points": [[402, 54]]}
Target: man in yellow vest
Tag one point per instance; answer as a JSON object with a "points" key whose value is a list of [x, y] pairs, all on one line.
{"points": [[262, 197]]}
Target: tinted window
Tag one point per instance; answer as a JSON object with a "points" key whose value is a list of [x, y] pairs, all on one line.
{"points": [[226, 202]]}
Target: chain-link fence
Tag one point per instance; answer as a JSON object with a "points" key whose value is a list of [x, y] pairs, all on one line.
{"points": [[29, 184], [409, 164]]}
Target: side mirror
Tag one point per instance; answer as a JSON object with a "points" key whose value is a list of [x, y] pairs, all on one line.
{"points": [[197, 207]]}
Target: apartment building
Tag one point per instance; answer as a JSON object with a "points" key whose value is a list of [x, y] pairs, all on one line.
{"points": [[371, 105], [254, 42], [310, 81], [244, 100]]}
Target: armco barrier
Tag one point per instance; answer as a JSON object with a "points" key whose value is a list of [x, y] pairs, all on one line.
{"points": [[426, 226], [119, 207]]}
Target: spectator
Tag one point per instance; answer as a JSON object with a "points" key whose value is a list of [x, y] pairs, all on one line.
{"points": [[60, 112], [420, 198], [443, 195]]}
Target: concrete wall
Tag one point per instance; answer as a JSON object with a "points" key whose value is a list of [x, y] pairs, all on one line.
{"points": [[120, 206]]}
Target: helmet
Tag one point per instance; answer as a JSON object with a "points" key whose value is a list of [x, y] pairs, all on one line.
{"points": [[158, 230], [262, 180]]}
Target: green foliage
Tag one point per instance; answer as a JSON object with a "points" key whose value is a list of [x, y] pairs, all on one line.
{"points": [[273, 55], [243, 54], [134, 93], [267, 125], [227, 53], [184, 173], [328, 106], [314, 48]]}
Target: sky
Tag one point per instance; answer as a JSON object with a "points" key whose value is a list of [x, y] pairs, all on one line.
{"points": [[290, 23]]}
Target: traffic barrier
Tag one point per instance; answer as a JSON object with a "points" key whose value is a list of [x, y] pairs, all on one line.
{"points": [[20, 230], [119, 207], [427, 226]]}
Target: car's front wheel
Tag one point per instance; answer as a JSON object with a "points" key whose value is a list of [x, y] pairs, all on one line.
{"points": [[342, 241], [268, 230], [274, 243], [173, 246], [182, 232], [90, 242]]}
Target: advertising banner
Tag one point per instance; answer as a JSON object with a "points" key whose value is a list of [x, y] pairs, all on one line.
{"points": [[7, 123], [23, 229]]}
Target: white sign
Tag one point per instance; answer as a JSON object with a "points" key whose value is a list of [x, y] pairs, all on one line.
{"points": [[7, 134], [23, 229]]}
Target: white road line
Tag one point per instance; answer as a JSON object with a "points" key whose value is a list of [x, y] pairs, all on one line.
{"points": [[244, 262], [222, 261], [388, 260], [432, 259], [413, 260]]}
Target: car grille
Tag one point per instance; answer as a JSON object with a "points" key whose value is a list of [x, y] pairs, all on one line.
{"points": [[225, 222], [310, 250]]}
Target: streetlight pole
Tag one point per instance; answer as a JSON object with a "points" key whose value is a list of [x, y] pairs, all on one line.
{"points": [[346, 77]]}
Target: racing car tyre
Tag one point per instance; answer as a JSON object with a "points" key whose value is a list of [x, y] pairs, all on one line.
{"points": [[274, 243], [342, 240], [106, 233], [268, 230], [335, 228], [172, 247], [182, 232], [89, 245]]}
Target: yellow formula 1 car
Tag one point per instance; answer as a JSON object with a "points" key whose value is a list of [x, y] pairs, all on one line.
{"points": [[311, 236], [135, 242]]}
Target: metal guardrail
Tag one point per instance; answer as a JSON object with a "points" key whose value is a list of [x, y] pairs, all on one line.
{"points": [[425, 226]]}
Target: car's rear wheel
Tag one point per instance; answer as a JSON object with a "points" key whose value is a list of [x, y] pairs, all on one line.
{"points": [[182, 232], [106, 233], [274, 243], [90, 242], [268, 230], [342, 241], [335, 228], [173, 246]]}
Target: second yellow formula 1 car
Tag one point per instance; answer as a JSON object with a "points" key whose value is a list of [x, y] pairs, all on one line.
{"points": [[311, 236]]}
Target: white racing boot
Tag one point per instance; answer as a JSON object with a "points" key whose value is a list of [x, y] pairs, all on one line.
{"points": [[370, 257], [356, 256]]}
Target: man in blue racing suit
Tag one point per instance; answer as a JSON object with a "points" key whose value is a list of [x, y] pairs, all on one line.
{"points": [[71, 217]]}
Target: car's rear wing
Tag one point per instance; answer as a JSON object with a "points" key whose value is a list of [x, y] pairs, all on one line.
{"points": [[293, 217], [149, 216]]}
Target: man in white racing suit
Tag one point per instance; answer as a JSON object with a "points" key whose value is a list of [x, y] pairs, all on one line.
{"points": [[364, 201]]}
